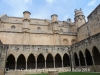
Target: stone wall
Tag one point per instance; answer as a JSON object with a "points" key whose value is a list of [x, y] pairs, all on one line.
{"points": [[26, 50], [92, 26], [36, 38], [91, 44]]}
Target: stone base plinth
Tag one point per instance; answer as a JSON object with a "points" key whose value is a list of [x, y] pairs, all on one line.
{"points": [[53, 72]]}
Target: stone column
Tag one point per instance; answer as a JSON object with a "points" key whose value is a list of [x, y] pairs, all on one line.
{"points": [[36, 64], [26, 65], [45, 63], [72, 60], [80, 64], [15, 65], [93, 60], [86, 63], [54, 62], [62, 63]]}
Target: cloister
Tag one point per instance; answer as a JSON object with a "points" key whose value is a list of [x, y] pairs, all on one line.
{"points": [[39, 62], [87, 59]]}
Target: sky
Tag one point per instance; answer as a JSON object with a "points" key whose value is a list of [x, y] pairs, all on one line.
{"points": [[43, 9]]}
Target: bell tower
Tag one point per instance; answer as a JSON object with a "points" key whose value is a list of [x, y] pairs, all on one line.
{"points": [[79, 18]]}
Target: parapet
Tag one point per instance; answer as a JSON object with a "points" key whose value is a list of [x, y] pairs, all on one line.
{"points": [[78, 12]]}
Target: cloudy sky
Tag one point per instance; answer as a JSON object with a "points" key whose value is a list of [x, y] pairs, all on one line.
{"points": [[43, 9]]}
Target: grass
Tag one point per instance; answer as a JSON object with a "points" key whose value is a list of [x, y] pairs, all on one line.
{"points": [[71, 73], [78, 73]]}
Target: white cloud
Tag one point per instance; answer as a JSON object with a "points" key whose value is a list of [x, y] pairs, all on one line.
{"points": [[28, 1], [50, 1], [66, 17], [92, 2]]}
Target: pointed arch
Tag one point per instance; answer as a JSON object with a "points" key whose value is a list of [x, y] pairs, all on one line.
{"points": [[88, 57], [82, 60], [96, 55], [31, 61], [76, 59], [58, 60], [49, 61], [50, 54], [10, 62], [66, 61], [40, 61], [21, 62]]}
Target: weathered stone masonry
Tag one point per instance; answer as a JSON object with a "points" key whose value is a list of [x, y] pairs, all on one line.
{"points": [[29, 45]]}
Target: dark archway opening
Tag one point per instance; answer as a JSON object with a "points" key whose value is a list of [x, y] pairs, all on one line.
{"points": [[10, 62], [82, 60], [49, 61], [31, 62], [96, 56], [76, 59], [66, 61], [58, 61], [88, 58], [21, 62], [40, 61]]}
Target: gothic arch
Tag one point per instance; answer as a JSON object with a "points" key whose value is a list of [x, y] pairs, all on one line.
{"points": [[40, 61], [96, 55], [49, 61], [88, 57], [21, 62], [76, 60], [19, 55], [42, 54], [58, 60], [82, 59], [66, 60], [30, 54], [10, 62], [60, 55], [13, 55], [31, 61], [51, 54]]}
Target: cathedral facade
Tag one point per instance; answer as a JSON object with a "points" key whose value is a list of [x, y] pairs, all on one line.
{"points": [[29, 45]]}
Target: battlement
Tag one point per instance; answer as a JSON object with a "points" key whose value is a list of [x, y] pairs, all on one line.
{"points": [[78, 12]]}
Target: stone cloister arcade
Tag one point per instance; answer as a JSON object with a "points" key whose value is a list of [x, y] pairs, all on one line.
{"points": [[38, 62], [88, 58], [58, 61]]}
